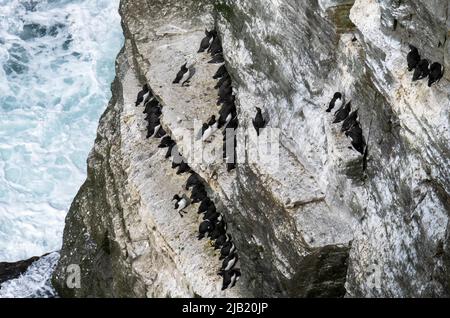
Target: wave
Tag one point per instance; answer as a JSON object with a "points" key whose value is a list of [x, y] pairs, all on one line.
{"points": [[57, 61]]}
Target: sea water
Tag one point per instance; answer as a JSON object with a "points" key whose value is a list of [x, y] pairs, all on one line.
{"points": [[56, 66]]}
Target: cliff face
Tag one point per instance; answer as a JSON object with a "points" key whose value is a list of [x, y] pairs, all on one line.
{"points": [[318, 225]]}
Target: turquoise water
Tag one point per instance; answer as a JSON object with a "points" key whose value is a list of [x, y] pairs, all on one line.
{"points": [[57, 63]]}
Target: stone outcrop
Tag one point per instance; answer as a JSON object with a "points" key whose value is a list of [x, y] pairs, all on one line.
{"points": [[13, 270], [328, 222]]}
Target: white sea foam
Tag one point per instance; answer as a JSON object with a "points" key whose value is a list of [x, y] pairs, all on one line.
{"points": [[57, 63], [35, 282]]}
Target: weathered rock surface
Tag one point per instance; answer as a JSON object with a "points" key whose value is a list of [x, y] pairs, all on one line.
{"points": [[10, 271], [319, 225]]}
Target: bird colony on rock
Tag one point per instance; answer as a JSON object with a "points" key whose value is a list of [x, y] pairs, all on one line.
{"points": [[213, 225]]}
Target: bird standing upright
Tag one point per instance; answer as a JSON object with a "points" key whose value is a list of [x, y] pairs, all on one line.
{"points": [[259, 122]]}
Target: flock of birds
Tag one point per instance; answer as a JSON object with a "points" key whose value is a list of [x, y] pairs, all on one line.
{"points": [[213, 225], [349, 119], [351, 125], [422, 68]]}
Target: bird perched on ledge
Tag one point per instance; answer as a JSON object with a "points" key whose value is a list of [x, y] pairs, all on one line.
{"points": [[230, 278], [413, 58], [143, 95], [181, 203], [207, 41], [421, 70], [259, 122], [337, 101], [436, 73]]}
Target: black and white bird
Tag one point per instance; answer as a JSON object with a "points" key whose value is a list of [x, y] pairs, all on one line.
{"points": [[226, 114], [216, 46], [198, 194], [166, 142], [151, 104], [221, 240], [171, 150], [183, 168], [205, 205], [336, 101], [436, 73], [206, 41], [212, 215], [143, 95], [220, 228], [161, 133], [350, 121], [422, 70], [232, 124], [212, 128], [358, 141], [230, 278], [205, 228], [413, 58], [181, 73], [221, 72], [259, 122], [153, 129], [225, 90], [229, 262], [181, 203], [186, 80], [222, 80], [193, 180], [342, 113], [227, 249]]}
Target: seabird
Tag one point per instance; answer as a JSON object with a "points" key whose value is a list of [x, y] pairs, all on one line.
{"points": [[171, 150], [421, 70], [189, 75], [342, 113], [358, 141], [225, 78], [205, 204], [225, 90], [229, 262], [161, 133], [220, 229], [183, 168], [413, 58], [221, 72], [436, 73], [211, 214], [230, 278], [212, 128], [227, 249], [259, 122], [350, 121], [206, 42], [181, 73], [142, 95], [181, 203], [205, 228], [198, 194], [154, 103], [216, 46], [193, 180], [221, 240], [166, 142], [337, 101]]}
